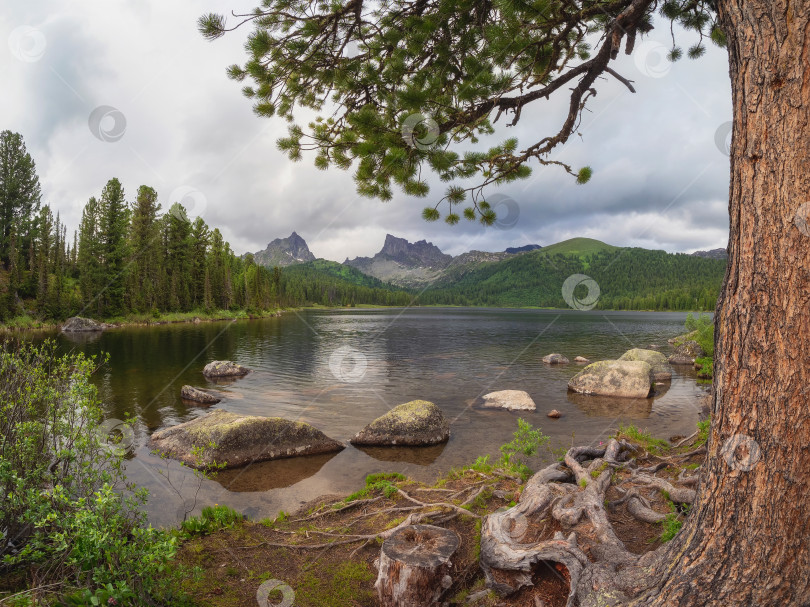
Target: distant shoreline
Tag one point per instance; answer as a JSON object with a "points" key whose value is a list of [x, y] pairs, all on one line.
{"points": [[31, 325]]}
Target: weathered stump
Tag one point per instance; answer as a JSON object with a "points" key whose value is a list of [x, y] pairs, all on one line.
{"points": [[415, 566]]}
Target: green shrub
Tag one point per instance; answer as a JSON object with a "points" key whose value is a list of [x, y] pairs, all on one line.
{"points": [[526, 442], [63, 518], [703, 326]]}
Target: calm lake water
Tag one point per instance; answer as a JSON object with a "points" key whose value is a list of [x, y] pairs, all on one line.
{"points": [[340, 369]]}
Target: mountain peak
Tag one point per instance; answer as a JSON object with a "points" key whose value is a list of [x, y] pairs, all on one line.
{"points": [[284, 252]]}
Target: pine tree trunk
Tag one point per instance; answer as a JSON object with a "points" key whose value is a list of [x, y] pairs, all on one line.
{"points": [[747, 541]]}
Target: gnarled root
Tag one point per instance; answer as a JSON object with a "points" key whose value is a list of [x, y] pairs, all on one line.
{"points": [[561, 518]]}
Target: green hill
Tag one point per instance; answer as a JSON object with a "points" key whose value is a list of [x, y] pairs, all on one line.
{"points": [[628, 278], [580, 247]]}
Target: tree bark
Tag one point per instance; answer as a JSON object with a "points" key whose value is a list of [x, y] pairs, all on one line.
{"points": [[747, 541], [415, 566]]}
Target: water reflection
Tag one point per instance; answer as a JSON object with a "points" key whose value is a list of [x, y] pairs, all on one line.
{"points": [[276, 474], [421, 456]]}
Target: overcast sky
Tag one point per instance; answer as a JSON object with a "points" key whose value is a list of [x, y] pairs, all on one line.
{"points": [[172, 120]]}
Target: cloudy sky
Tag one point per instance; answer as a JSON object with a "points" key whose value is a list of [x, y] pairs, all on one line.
{"points": [[107, 88]]}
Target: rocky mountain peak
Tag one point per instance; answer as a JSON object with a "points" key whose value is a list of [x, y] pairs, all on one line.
{"points": [[284, 252]]}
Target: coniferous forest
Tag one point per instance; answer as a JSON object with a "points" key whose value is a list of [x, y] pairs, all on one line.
{"points": [[130, 257]]}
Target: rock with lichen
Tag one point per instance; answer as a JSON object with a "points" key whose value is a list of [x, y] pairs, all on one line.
{"points": [[513, 400], [623, 378], [235, 440], [224, 368], [416, 423], [198, 396], [662, 371]]}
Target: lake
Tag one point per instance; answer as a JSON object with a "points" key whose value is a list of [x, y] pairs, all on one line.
{"points": [[340, 369]]}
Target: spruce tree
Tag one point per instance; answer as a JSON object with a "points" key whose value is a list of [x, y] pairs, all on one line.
{"points": [[20, 193], [145, 252], [113, 228]]}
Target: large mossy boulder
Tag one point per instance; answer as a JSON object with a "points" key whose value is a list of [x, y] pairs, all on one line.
{"points": [[662, 371], [77, 324], [622, 378], [240, 440], [417, 423], [512, 400], [686, 352], [224, 368]]}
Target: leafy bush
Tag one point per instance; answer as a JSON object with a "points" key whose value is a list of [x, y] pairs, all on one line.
{"points": [[63, 518], [526, 442], [703, 326]]}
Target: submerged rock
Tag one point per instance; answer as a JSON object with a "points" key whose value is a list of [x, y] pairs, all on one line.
{"points": [[554, 414], [416, 423], [77, 324], [198, 396], [662, 371], [513, 400], [224, 368], [624, 378], [582, 359], [240, 440], [686, 353], [555, 359]]}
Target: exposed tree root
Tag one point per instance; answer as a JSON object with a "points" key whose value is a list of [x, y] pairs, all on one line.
{"points": [[561, 517]]}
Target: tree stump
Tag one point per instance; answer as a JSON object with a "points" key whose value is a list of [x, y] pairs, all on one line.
{"points": [[414, 568]]}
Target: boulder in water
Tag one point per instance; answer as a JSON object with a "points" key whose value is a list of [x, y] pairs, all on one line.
{"points": [[513, 400], [77, 324], [224, 368], [662, 371], [240, 440], [555, 359], [198, 396], [416, 423], [582, 359], [623, 378]]}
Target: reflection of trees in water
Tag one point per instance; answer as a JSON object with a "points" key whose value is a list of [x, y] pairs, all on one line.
{"points": [[275, 474]]}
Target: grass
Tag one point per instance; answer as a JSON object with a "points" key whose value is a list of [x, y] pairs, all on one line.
{"points": [[670, 527], [375, 483], [642, 438], [703, 432]]}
